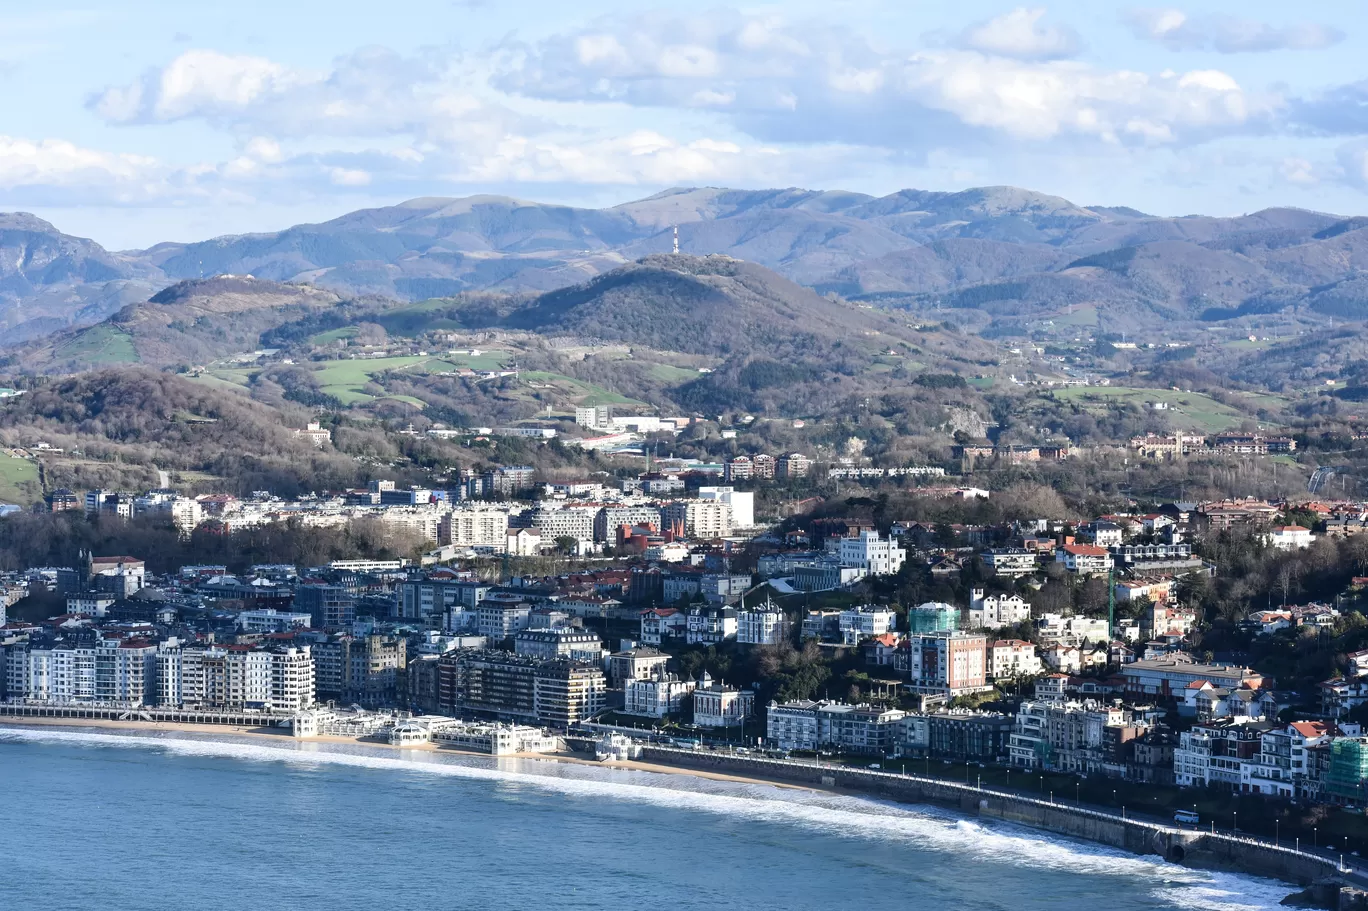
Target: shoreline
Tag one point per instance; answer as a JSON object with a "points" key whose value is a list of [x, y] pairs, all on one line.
{"points": [[282, 735]]}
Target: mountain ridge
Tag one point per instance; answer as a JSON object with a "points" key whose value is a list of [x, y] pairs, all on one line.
{"points": [[907, 243]]}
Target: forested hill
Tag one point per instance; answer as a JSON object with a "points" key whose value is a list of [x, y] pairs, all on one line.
{"points": [[712, 305]]}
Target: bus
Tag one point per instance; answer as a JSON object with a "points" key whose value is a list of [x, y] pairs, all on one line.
{"points": [[1187, 817]]}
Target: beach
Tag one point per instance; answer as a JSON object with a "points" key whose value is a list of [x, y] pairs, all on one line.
{"points": [[283, 736]]}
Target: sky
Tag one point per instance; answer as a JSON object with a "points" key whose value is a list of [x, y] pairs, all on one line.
{"points": [[147, 121]]}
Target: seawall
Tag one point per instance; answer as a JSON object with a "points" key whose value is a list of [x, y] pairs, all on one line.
{"points": [[1182, 846]]}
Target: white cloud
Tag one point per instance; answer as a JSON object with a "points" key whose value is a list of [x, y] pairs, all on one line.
{"points": [[64, 169], [370, 92], [795, 83], [1227, 34], [1021, 34]]}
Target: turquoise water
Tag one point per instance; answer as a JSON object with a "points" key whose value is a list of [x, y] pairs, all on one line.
{"points": [[150, 822]]}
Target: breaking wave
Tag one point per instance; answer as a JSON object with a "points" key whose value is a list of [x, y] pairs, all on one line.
{"points": [[922, 828]]}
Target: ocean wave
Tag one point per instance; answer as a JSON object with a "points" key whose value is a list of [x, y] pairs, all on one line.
{"points": [[925, 828]]}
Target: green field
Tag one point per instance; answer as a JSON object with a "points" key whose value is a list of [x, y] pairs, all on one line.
{"points": [[588, 393], [102, 344], [19, 481], [1189, 410], [327, 338], [346, 380], [672, 374]]}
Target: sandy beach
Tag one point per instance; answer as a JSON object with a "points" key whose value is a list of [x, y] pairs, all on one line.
{"points": [[281, 735]]}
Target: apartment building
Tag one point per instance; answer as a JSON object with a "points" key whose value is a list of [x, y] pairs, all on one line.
{"points": [[1010, 562], [563, 642], [328, 606], [702, 519], [233, 678], [1084, 559], [858, 623], [764, 624], [947, 661], [656, 696], [555, 693], [110, 672], [1010, 659], [1081, 738], [473, 528], [609, 519]]}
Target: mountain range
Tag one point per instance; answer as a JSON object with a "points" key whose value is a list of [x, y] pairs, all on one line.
{"points": [[1013, 254]]}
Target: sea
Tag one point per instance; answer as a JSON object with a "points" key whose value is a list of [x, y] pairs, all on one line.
{"points": [[145, 821]]}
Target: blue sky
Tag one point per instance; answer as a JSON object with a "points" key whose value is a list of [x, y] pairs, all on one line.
{"points": [[147, 121]]}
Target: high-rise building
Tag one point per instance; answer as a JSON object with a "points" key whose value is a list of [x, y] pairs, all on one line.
{"points": [[792, 465], [232, 678], [368, 670], [473, 528], [946, 661], [740, 468], [329, 606], [557, 692]]}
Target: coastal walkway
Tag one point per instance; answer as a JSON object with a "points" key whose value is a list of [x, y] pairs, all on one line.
{"points": [[1190, 847], [111, 712]]}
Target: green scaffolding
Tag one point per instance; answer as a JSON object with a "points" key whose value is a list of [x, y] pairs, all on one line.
{"points": [[1348, 770]]}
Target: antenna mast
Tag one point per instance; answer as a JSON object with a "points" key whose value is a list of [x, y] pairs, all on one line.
{"points": [[676, 239]]}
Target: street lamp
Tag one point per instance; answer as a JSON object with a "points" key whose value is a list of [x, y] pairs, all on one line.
{"points": [[1236, 815], [1077, 786], [1277, 828], [1315, 838]]}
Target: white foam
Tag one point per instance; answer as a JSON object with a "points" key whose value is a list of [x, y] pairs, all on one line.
{"points": [[925, 828]]}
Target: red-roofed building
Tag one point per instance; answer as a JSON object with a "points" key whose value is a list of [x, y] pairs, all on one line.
{"points": [[1084, 559], [662, 623]]}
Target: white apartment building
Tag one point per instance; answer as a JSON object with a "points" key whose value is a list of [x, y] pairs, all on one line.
{"points": [[497, 618], [1084, 559], [422, 521], [656, 697], [1073, 630], [864, 621], [271, 621], [113, 672], [996, 611], [1012, 658], [474, 528], [1062, 735], [793, 725], [565, 522], [1011, 561], [742, 503], [874, 555], [764, 624], [236, 677], [1290, 537], [703, 519]]}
